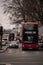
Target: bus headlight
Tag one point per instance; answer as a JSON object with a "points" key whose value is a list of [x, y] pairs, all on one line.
{"points": [[23, 45]]}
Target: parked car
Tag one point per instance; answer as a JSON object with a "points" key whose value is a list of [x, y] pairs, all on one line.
{"points": [[14, 44], [3, 43]]}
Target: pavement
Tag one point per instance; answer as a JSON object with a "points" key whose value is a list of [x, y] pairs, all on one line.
{"points": [[4, 48], [5, 64]]}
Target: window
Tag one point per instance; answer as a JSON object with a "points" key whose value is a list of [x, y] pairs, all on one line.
{"points": [[30, 26], [30, 33]]}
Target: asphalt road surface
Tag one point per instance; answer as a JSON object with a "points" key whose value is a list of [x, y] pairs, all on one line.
{"points": [[20, 57]]}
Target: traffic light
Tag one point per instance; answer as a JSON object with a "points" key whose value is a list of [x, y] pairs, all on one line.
{"points": [[1, 30], [1, 33]]}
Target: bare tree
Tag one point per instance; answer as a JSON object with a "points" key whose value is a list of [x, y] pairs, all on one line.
{"points": [[27, 10]]}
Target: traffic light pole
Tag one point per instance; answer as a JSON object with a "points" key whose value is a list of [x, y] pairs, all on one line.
{"points": [[0, 42], [1, 33]]}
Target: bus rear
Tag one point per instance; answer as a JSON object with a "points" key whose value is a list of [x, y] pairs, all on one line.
{"points": [[11, 36], [30, 35]]}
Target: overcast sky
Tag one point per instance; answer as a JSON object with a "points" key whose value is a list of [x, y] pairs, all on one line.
{"points": [[4, 21]]}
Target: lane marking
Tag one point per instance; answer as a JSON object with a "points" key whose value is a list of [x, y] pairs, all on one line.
{"points": [[17, 62]]}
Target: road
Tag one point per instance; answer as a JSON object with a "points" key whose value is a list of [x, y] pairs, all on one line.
{"points": [[20, 57]]}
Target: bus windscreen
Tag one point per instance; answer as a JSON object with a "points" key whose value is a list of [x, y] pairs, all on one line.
{"points": [[30, 34]]}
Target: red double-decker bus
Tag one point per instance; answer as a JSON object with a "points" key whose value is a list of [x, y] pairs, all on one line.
{"points": [[29, 35]]}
